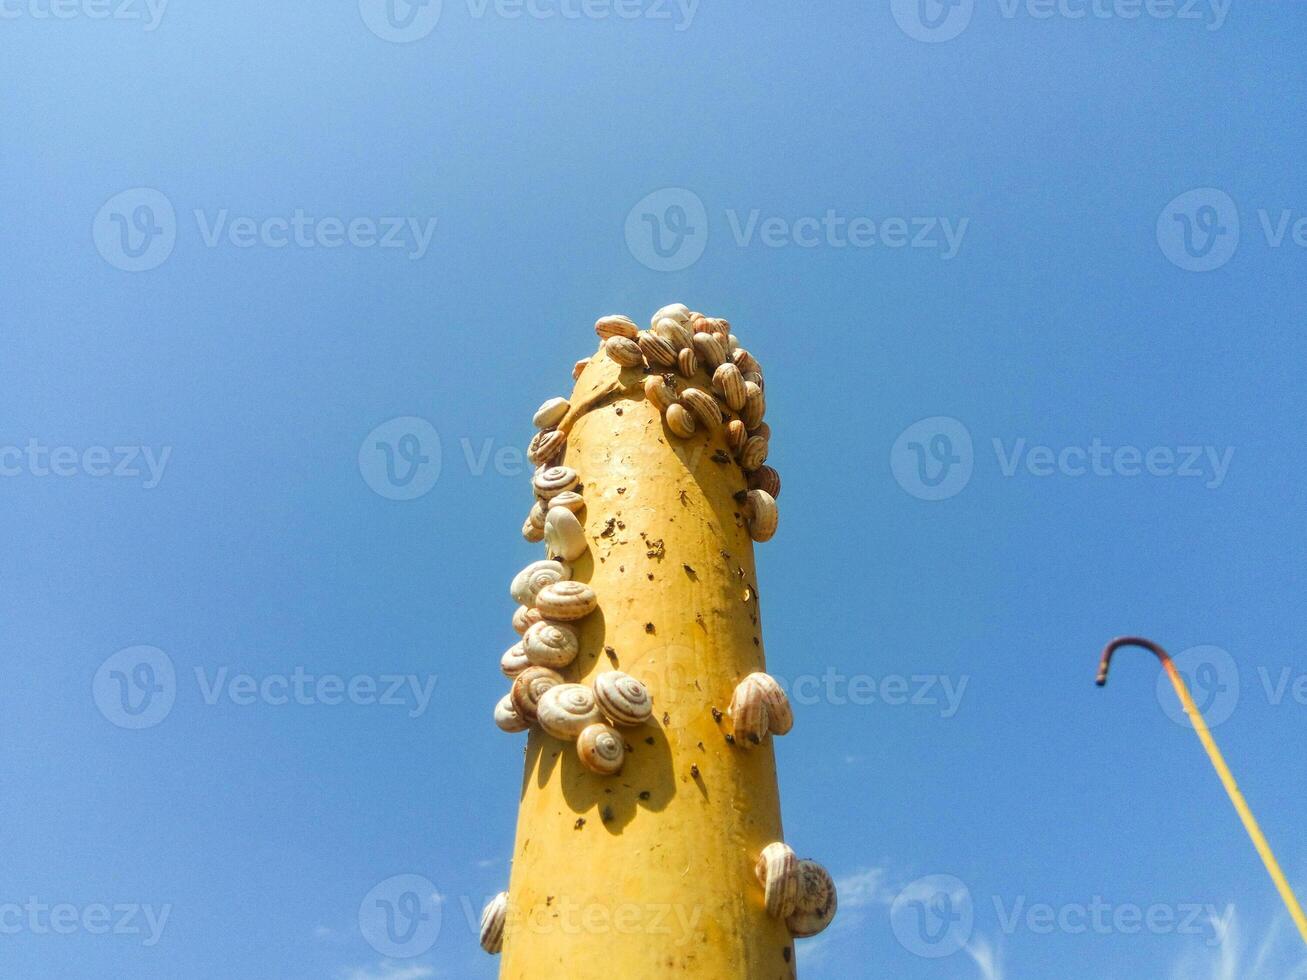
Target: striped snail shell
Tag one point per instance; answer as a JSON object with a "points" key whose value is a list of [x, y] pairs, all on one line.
{"points": [[761, 429], [553, 480], [566, 710], [755, 405], [815, 905], [579, 367], [616, 325], [564, 535], [659, 393], [550, 413], [687, 362], [760, 509], [530, 686], [566, 601], [766, 478], [778, 873], [676, 311], [658, 352], [728, 383], [570, 499], [514, 661], [507, 718], [720, 325], [704, 406], [736, 435], [710, 350], [625, 700], [749, 713], [535, 577], [674, 332], [754, 453], [625, 352], [601, 750], [537, 516], [780, 716], [746, 362], [756, 378], [525, 617], [532, 531], [493, 918], [680, 421], [546, 447], [550, 645]]}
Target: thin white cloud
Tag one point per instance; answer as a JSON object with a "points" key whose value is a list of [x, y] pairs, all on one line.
{"points": [[987, 956], [1278, 956]]}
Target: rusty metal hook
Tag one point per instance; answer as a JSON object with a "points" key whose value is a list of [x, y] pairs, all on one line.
{"points": [[1128, 641]]}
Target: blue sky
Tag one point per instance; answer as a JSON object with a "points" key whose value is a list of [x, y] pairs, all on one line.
{"points": [[1028, 290]]}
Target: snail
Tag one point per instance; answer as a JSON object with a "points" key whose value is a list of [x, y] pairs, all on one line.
{"points": [[754, 453], [755, 405], [600, 749], [687, 362], [756, 378], [676, 311], [710, 350], [550, 413], [525, 617], [514, 661], [780, 716], [616, 325], [566, 710], [549, 644], [532, 532], [625, 700], [766, 478], [728, 383], [546, 447], [749, 713], [815, 904], [493, 918], [566, 601], [777, 871], [760, 510], [529, 687], [624, 351], [535, 577], [674, 332], [736, 435], [659, 393], [732, 342], [704, 406], [570, 499], [746, 362], [537, 516], [680, 421], [579, 367], [507, 718], [761, 429], [564, 536], [658, 352], [553, 480]]}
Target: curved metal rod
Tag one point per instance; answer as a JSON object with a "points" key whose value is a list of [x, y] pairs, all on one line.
{"points": [[1128, 641]]}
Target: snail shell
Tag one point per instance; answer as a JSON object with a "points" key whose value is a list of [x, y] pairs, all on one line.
{"points": [[766, 478], [578, 368], [616, 325], [550, 645], [761, 429], [566, 710], [710, 350], [601, 750], [778, 873], [749, 713], [760, 509], [566, 601], [564, 535], [546, 447], [493, 918], [657, 351], [704, 406], [525, 617], [532, 532], [550, 413], [746, 362], [736, 435], [507, 718], [728, 382], [780, 716], [625, 700], [535, 577], [756, 378], [680, 421], [754, 453], [624, 351], [570, 499], [676, 311], [720, 325], [816, 902], [537, 516], [553, 480], [674, 332], [687, 362], [755, 405], [660, 394], [514, 661], [530, 686], [732, 341]]}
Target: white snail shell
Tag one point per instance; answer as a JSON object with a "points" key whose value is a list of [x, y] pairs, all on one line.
{"points": [[780, 716], [564, 535], [754, 453], [623, 699], [530, 686], [728, 382], [746, 362], [816, 902], [736, 435], [680, 420], [659, 393], [601, 749], [749, 714], [546, 447], [674, 332], [763, 517], [567, 710], [507, 718], [550, 413], [687, 362], [710, 350], [493, 918], [566, 601], [676, 311], [530, 580], [755, 405], [514, 661], [625, 352], [578, 368], [778, 873], [537, 516], [704, 406], [553, 480], [657, 351], [732, 341], [549, 644], [532, 532], [570, 499], [616, 325], [524, 617]]}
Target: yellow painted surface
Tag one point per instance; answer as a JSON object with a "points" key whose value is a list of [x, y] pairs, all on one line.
{"points": [[650, 874]]}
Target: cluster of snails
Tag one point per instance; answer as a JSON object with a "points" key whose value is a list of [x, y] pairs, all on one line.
{"points": [[678, 343], [800, 892]]}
